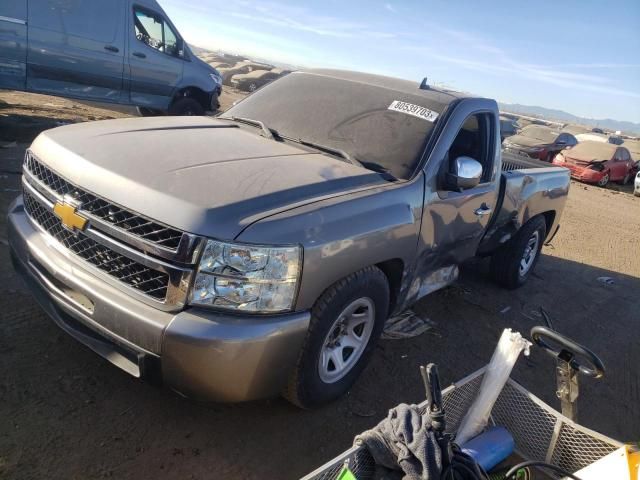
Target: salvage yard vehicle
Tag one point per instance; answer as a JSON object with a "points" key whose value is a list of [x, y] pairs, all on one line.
{"points": [[261, 252], [121, 52], [597, 162], [250, 82], [508, 128], [537, 141], [228, 74], [636, 185]]}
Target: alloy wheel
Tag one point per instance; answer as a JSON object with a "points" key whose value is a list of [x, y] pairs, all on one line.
{"points": [[530, 253], [346, 341]]}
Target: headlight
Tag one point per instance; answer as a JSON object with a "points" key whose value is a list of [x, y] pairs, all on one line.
{"points": [[247, 278], [216, 78]]}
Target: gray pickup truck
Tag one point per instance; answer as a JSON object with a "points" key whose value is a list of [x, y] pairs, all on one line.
{"points": [[262, 251]]}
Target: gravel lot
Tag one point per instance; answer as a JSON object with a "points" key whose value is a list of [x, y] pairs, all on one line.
{"points": [[66, 413]]}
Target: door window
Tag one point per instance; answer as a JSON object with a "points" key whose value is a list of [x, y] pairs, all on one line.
{"points": [[624, 155], [153, 30], [473, 141], [567, 139]]}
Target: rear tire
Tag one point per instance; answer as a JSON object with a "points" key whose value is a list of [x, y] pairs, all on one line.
{"points": [[332, 330], [513, 263], [627, 178], [186, 106]]}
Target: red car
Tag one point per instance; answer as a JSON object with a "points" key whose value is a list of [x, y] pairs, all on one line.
{"points": [[597, 162]]}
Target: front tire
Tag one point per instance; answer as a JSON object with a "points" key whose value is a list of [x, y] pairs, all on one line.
{"points": [[604, 181], [513, 263], [186, 106], [346, 322]]}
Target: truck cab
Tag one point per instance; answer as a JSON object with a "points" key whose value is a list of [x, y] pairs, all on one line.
{"points": [[121, 51]]}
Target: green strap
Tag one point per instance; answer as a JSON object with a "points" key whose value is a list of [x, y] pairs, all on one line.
{"points": [[346, 474]]}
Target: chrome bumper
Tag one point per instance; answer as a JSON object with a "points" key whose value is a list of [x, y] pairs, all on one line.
{"points": [[199, 353]]}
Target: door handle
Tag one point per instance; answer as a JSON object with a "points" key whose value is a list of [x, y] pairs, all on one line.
{"points": [[139, 55], [483, 210], [111, 48]]}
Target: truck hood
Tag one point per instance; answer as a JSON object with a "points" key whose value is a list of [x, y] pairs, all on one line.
{"points": [[201, 175]]}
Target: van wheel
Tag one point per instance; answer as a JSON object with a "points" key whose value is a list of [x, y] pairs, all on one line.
{"points": [[512, 264], [215, 101], [346, 322], [186, 106]]}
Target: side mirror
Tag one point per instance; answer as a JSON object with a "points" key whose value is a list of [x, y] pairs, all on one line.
{"points": [[467, 173]]}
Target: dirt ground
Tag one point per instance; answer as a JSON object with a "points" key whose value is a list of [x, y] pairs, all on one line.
{"points": [[65, 413]]}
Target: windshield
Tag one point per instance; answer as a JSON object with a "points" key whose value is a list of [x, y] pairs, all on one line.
{"points": [[350, 116], [539, 133]]}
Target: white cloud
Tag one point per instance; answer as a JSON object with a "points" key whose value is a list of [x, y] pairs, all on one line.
{"points": [[390, 7], [500, 63]]}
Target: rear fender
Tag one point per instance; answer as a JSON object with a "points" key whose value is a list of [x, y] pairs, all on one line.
{"points": [[526, 194]]}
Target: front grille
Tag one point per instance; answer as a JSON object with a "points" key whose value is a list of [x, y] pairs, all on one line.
{"points": [[126, 220], [131, 273]]}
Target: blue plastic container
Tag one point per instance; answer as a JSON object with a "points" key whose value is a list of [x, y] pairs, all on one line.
{"points": [[490, 447]]}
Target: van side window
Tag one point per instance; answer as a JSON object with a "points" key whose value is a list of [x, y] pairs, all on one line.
{"points": [[92, 19], [473, 141], [153, 30]]}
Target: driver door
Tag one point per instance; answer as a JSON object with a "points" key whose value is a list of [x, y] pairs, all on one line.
{"points": [[454, 222], [156, 59]]}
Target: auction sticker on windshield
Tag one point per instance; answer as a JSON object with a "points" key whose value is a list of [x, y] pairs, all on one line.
{"points": [[415, 110]]}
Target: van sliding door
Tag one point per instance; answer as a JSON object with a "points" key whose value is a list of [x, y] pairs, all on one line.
{"points": [[76, 48], [13, 44]]}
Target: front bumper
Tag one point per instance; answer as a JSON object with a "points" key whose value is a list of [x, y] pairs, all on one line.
{"points": [[199, 353], [584, 174]]}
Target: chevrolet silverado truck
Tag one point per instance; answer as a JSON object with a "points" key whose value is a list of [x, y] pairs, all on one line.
{"points": [[261, 252]]}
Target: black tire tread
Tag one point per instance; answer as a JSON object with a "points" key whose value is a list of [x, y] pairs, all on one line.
{"points": [[505, 262], [177, 107], [291, 391]]}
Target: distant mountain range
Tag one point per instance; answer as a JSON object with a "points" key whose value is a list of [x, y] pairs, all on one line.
{"points": [[561, 116]]}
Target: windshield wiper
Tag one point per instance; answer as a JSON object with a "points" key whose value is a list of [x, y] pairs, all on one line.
{"points": [[325, 148], [267, 132], [378, 168]]}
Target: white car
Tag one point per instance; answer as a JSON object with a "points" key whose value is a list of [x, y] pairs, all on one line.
{"points": [[636, 186]]}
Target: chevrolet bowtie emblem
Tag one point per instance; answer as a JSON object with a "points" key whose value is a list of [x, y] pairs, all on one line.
{"points": [[71, 220]]}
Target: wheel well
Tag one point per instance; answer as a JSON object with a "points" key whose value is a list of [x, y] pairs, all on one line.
{"points": [[197, 94], [393, 270], [549, 217]]}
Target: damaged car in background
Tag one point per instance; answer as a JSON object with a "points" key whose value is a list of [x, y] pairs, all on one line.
{"points": [[598, 162], [537, 141], [261, 252]]}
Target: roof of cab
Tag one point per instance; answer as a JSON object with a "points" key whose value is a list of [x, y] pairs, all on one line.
{"points": [[398, 84]]}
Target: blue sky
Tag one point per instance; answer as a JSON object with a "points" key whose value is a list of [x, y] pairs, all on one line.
{"points": [[578, 56]]}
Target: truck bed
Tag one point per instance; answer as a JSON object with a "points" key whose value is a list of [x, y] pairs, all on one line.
{"points": [[511, 161]]}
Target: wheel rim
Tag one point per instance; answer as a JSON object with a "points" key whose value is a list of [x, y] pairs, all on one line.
{"points": [[530, 253], [604, 180], [252, 87], [347, 338]]}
